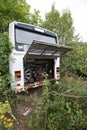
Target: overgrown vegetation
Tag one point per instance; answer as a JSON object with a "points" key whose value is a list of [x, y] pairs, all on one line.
{"points": [[75, 62], [5, 50], [61, 108], [64, 105]]}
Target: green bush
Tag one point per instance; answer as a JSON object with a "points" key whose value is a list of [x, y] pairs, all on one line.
{"points": [[5, 50], [75, 62], [63, 111], [62, 106]]}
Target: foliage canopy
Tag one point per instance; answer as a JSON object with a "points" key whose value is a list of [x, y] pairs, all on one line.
{"points": [[16, 10], [61, 24]]}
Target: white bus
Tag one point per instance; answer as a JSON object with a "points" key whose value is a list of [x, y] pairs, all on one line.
{"points": [[35, 57]]}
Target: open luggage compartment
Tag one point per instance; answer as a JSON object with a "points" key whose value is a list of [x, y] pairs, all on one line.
{"points": [[39, 63], [36, 70]]}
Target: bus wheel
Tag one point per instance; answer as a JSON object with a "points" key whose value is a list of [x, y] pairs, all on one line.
{"points": [[27, 74]]}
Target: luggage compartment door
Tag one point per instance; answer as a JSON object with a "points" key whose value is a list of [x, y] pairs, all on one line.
{"points": [[46, 50]]}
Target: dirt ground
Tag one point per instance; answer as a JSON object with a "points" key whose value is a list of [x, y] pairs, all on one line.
{"points": [[28, 106]]}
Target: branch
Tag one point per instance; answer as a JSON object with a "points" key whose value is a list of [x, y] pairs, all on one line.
{"points": [[69, 96], [75, 87], [72, 96]]}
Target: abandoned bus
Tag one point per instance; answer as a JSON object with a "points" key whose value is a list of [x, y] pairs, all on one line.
{"points": [[35, 56]]}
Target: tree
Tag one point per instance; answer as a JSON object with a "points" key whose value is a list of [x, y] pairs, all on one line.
{"points": [[76, 61], [5, 49], [35, 18], [16, 10], [61, 24], [11, 10]]}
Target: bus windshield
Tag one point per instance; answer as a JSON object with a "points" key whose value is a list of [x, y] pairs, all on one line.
{"points": [[25, 37]]}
